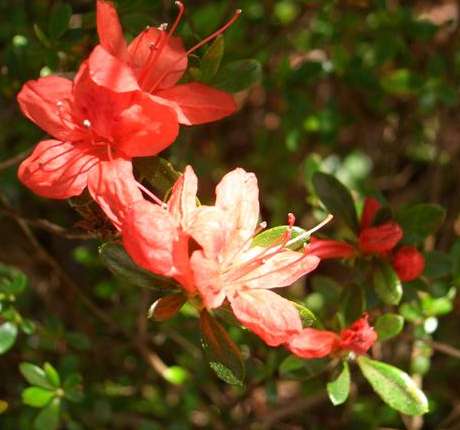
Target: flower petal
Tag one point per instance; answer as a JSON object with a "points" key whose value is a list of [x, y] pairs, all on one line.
{"points": [[370, 209], [281, 270], [114, 188], [267, 314], [57, 170], [312, 343], [237, 195], [46, 102], [182, 202], [328, 248], [207, 278], [380, 239], [162, 69], [197, 103], [109, 29]]}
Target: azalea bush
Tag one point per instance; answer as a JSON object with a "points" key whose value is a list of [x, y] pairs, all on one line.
{"points": [[229, 215]]}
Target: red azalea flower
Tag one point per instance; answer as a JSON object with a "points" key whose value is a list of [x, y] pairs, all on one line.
{"points": [[370, 209], [313, 343], [380, 239], [328, 249], [159, 60], [408, 263], [96, 133]]}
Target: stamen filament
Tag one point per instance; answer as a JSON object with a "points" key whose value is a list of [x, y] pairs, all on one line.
{"points": [[308, 233], [150, 194]]}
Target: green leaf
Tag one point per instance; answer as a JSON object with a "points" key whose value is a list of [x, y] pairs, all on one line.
{"points": [[176, 375], [8, 334], [211, 60], [3, 406], [73, 388], [394, 386], [48, 418], [301, 369], [37, 397], [158, 172], [420, 221], [387, 284], [273, 235], [121, 265], [59, 20], [238, 75], [306, 315], [437, 264], [339, 389], [336, 198], [52, 375], [41, 36], [353, 303], [222, 353], [398, 82], [388, 326], [12, 280], [35, 375]]}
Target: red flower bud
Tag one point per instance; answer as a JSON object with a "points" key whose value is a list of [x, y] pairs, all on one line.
{"points": [[380, 239], [312, 343], [408, 263], [359, 337], [326, 249], [370, 209]]}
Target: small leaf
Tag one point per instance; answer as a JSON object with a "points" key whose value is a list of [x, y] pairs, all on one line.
{"points": [[388, 326], [339, 389], [223, 355], [273, 235], [211, 60], [394, 386], [306, 315], [121, 265], [166, 307], [73, 388], [41, 36], [12, 280], [336, 198], [35, 375], [238, 75], [52, 375], [37, 397], [8, 334], [175, 375], [301, 369], [387, 284], [59, 20], [420, 221], [48, 418]]}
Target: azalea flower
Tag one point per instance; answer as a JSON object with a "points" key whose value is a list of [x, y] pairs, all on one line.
{"points": [[229, 267], [95, 131], [328, 249], [158, 60], [313, 343], [408, 263]]}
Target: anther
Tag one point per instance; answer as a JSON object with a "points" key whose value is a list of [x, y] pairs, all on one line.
{"points": [[263, 225], [163, 27], [59, 104], [291, 219], [86, 123]]}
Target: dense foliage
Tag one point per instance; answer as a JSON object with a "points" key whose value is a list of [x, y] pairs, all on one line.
{"points": [[347, 108]]}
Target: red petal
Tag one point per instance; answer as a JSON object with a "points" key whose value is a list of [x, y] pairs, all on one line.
{"points": [[380, 239], [408, 263], [164, 68], [57, 170], [114, 188], [197, 103], [182, 202], [270, 316], [312, 343], [326, 249], [109, 29], [359, 337], [370, 209], [145, 128], [39, 102]]}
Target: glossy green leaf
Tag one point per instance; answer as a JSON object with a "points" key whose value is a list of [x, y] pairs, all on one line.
{"points": [[59, 20], [394, 386], [274, 235], [336, 198], [306, 315], [48, 418], [8, 334], [37, 397], [339, 389], [12, 280], [52, 375], [238, 75], [420, 221], [211, 60], [388, 326], [222, 353], [387, 284], [35, 375]]}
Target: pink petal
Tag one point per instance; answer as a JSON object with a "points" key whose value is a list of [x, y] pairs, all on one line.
{"points": [[197, 103], [207, 280], [114, 188], [57, 170], [47, 102], [162, 69], [109, 29], [238, 196], [182, 202], [281, 270], [270, 316], [312, 343]]}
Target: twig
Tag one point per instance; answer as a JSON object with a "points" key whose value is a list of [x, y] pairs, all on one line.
{"points": [[445, 349], [5, 164]]}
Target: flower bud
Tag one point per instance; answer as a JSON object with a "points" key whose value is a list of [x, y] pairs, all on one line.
{"points": [[380, 239], [408, 263], [359, 337], [326, 249], [370, 209], [312, 343]]}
